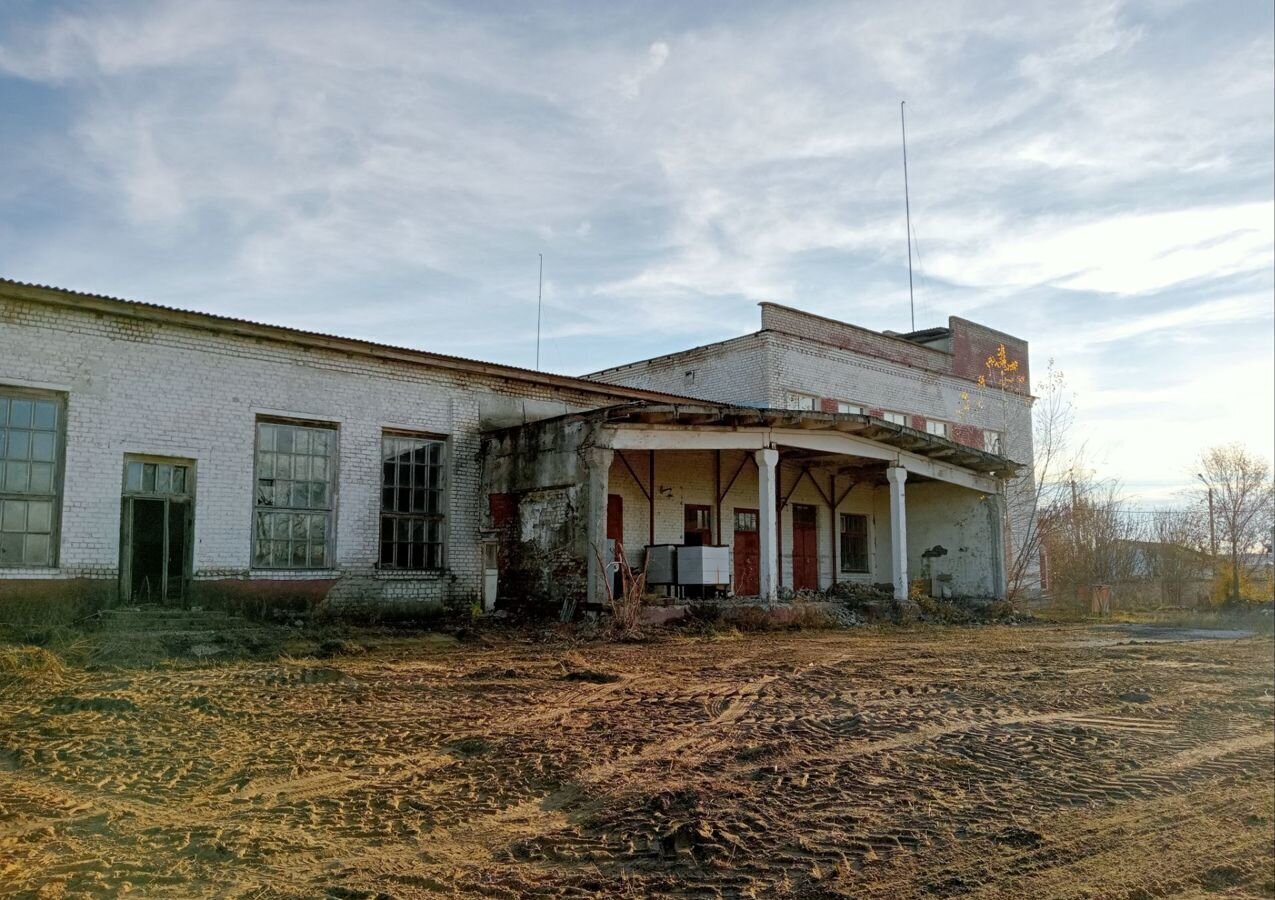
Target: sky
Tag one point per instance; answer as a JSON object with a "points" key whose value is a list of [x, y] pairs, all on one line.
{"points": [[1096, 177]]}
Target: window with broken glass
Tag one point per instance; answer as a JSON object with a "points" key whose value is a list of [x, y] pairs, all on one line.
{"points": [[31, 431], [296, 471], [412, 484]]}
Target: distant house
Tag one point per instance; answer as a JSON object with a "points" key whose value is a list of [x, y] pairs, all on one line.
{"points": [[1167, 574], [174, 455]]}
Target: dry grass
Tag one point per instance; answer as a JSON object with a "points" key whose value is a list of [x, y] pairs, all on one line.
{"points": [[30, 663]]}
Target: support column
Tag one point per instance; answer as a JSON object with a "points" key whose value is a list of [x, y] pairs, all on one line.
{"points": [[1000, 546], [897, 476], [598, 460], [767, 522]]}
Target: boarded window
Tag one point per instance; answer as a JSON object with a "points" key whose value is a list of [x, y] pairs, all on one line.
{"points": [[31, 430], [854, 543], [296, 474], [412, 501]]}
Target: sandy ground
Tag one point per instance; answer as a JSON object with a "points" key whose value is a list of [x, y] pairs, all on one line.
{"points": [[1001, 762]]}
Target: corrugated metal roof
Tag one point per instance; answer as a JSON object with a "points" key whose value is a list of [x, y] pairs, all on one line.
{"points": [[23, 290]]}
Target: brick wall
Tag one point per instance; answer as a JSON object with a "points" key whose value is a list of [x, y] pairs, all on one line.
{"points": [[733, 371], [170, 390]]}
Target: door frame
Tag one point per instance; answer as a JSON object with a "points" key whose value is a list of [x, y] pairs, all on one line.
{"points": [[185, 500], [735, 532]]}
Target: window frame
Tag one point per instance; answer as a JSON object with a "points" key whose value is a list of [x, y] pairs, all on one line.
{"points": [[887, 413], [945, 433], [867, 543], [993, 441], [801, 397], [444, 501], [329, 548], [56, 495], [858, 408]]}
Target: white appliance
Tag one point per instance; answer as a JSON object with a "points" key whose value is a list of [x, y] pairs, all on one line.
{"points": [[705, 565]]}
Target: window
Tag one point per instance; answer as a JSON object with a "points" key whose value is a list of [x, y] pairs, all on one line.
{"points": [[937, 428], [30, 490], [992, 441], [801, 401], [897, 418], [855, 408], [411, 502], [854, 543], [697, 525], [296, 471]]}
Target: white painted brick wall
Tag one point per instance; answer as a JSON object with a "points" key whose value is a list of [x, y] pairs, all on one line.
{"points": [[686, 477], [168, 390]]}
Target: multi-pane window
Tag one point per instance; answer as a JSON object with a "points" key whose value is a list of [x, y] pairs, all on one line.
{"points": [[155, 478], [30, 433], [854, 543], [898, 418], [937, 428], [296, 470], [412, 516], [855, 408], [992, 441]]}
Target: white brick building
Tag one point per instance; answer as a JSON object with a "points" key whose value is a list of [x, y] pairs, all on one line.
{"points": [[174, 453]]}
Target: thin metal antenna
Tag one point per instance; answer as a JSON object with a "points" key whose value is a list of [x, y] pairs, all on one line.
{"points": [[539, 296], [907, 208]]}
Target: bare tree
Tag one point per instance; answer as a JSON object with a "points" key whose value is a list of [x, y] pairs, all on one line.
{"points": [[1243, 506], [1030, 498], [1175, 554], [1091, 539]]}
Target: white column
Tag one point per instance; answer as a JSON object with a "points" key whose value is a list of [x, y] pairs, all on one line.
{"points": [[1000, 548], [897, 475], [598, 460], [767, 522]]}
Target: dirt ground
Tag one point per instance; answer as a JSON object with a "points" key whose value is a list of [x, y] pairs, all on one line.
{"points": [[997, 762]]}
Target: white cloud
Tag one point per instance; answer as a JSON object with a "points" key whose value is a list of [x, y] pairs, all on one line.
{"points": [[394, 170]]}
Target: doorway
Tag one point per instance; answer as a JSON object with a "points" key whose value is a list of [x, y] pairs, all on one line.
{"points": [[615, 539], [747, 554], [805, 548], [156, 529]]}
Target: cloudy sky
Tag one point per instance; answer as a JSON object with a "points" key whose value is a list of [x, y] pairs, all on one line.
{"points": [[1094, 176]]}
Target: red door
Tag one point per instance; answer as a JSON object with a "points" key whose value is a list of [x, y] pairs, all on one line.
{"points": [[747, 553], [805, 548], [615, 518]]}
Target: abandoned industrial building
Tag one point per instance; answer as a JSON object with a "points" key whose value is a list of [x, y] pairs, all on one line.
{"points": [[164, 455]]}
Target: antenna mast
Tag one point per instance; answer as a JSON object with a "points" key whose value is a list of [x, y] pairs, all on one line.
{"points": [[907, 209], [539, 296]]}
